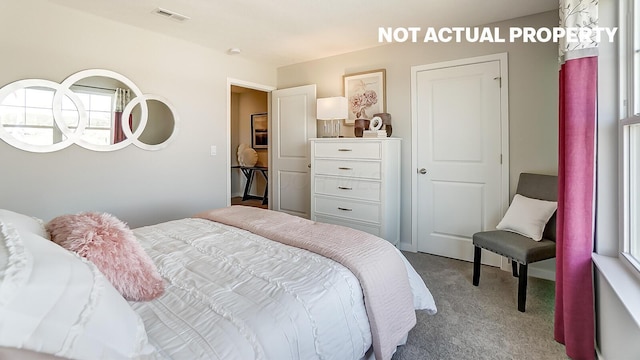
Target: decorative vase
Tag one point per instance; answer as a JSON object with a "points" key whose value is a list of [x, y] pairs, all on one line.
{"points": [[359, 126]]}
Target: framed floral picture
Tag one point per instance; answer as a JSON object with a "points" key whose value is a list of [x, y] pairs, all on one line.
{"points": [[365, 93]]}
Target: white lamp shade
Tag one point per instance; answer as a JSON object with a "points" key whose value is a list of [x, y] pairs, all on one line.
{"points": [[332, 108]]}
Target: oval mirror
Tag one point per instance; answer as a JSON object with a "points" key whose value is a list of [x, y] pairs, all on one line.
{"points": [[88, 108]]}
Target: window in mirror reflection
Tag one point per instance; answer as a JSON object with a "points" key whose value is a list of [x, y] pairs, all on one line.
{"points": [[27, 114], [98, 104]]}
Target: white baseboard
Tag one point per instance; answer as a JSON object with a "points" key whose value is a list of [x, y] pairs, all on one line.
{"points": [[534, 270], [542, 273], [407, 247]]}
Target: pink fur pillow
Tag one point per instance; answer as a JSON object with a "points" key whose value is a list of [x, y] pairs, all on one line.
{"points": [[113, 248]]}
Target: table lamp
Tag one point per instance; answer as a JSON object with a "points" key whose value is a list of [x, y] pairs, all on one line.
{"points": [[330, 111]]}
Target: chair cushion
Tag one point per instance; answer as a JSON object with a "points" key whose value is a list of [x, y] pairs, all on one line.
{"points": [[515, 246]]}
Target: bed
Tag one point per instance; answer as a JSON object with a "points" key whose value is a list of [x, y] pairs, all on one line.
{"points": [[231, 292]]}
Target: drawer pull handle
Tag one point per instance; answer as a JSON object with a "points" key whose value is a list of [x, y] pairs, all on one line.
{"points": [[345, 150], [344, 209], [344, 168], [344, 188]]}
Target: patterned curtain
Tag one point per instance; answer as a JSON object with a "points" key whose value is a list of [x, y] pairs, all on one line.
{"points": [[121, 99], [574, 310]]}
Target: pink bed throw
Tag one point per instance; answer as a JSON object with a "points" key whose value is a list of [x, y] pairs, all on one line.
{"points": [[382, 274]]}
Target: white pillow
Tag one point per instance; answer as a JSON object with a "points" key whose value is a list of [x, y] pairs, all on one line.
{"points": [[527, 216], [23, 223], [52, 301]]}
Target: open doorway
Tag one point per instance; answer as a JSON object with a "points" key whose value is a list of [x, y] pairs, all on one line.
{"points": [[249, 132]]}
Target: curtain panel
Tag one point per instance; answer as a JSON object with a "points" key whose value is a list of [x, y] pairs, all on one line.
{"points": [[574, 309]]}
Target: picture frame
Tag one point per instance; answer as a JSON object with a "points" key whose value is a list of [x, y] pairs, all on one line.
{"points": [[259, 131], [365, 93]]}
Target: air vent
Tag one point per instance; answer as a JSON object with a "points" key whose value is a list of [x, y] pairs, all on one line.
{"points": [[170, 14]]}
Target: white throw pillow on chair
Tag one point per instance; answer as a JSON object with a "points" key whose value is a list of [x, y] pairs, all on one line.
{"points": [[527, 216]]}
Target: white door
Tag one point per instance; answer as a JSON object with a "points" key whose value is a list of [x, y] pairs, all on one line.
{"points": [[460, 182], [293, 123]]}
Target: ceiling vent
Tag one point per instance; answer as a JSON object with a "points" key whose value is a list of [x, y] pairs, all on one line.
{"points": [[170, 14]]}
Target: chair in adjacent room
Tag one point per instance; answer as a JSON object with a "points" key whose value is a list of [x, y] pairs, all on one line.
{"points": [[523, 250]]}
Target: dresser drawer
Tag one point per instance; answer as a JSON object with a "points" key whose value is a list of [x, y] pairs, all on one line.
{"points": [[346, 187], [349, 209], [350, 168], [371, 229], [348, 149]]}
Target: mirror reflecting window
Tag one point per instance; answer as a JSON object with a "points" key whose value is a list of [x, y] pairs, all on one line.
{"points": [[26, 115], [97, 109]]}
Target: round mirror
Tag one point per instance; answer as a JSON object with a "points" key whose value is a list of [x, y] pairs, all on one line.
{"points": [[160, 123], [97, 109], [153, 130]]}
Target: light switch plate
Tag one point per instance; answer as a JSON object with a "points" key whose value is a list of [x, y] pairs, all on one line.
{"points": [[214, 150]]}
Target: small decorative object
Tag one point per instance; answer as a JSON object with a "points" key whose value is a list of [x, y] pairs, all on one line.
{"points": [[259, 131], [365, 92], [359, 126], [248, 157], [241, 148], [330, 111], [386, 121], [374, 129], [376, 123]]}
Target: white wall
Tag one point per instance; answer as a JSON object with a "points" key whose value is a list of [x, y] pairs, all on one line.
{"points": [[48, 41], [533, 95]]}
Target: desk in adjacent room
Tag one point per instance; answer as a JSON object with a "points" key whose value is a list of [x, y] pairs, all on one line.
{"points": [[249, 174]]}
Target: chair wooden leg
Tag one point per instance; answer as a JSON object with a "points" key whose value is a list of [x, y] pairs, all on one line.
{"points": [[477, 255], [522, 287], [514, 267]]}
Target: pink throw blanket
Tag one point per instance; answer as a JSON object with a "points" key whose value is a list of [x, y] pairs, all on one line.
{"points": [[374, 261]]}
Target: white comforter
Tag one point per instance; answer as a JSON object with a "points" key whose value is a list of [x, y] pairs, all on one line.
{"points": [[235, 295]]}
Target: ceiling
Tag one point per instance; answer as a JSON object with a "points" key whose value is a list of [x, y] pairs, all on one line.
{"points": [[283, 32]]}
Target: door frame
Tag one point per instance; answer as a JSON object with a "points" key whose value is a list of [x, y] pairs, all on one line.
{"points": [[504, 133], [250, 85]]}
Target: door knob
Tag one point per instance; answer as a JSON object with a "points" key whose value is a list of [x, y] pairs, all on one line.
{"points": [[422, 171]]}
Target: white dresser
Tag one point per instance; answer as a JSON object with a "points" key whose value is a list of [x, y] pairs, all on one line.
{"points": [[355, 182]]}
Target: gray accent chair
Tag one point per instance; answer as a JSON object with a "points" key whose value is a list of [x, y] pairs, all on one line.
{"points": [[520, 249]]}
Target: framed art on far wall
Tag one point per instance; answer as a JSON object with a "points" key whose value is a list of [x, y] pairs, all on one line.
{"points": [[365, 92], [259, 131]]}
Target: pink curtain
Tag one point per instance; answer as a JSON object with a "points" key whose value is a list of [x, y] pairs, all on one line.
{"points": [[118, 133], [574, 311]]}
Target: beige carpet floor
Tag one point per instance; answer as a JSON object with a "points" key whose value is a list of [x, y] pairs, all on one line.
{"points": [[480, 322]]}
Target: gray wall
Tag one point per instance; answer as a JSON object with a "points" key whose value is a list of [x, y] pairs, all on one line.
{"points": [[533, 94], [51, 42]]}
